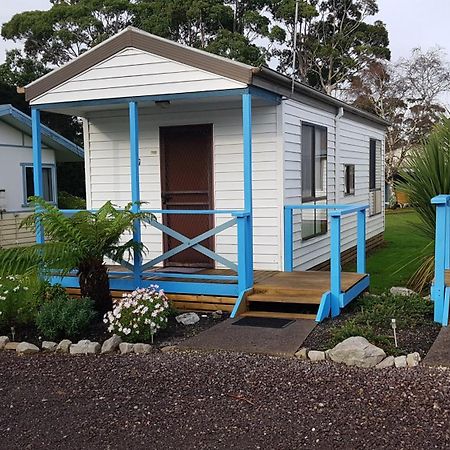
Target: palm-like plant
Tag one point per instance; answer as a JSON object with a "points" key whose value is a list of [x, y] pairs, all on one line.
{"points": [[78, 242], [425, 175]]}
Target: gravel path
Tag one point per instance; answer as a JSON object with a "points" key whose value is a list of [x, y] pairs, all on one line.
{"points": [[192, 400]]}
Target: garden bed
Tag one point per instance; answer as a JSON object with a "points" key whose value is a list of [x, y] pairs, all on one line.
{"points": [[370, 317]]}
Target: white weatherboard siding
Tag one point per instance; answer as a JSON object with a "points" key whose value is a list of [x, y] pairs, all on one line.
{"points": [[353, 148], [132, 73], [108, 168], [16, 149]]}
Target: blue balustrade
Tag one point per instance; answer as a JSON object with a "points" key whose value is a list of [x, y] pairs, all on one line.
{"points": [[335, 299]]}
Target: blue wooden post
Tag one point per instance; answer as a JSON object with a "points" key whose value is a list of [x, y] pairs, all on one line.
{"points": [[335, 263], [37, 166], [135, 186], [439, 257], [361, 241], [243, 283], [288, 239], [248, 189]]}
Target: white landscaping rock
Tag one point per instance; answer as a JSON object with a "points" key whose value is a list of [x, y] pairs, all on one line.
{"points": [[142, 348], [357, 351], [315, 355], [25, 348], [387, 362], [189, 318], [413, 359], [111, 345], [217, 314], [49, 346], [126, 347], [405, 292], [400, 361], [85, 347], [63, 346], [302, 353], [3, 341]]}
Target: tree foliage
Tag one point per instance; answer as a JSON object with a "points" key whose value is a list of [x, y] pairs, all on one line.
{"points": [[79, 242]]}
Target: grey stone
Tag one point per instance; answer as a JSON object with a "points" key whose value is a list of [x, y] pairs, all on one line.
{"points": [[302, 353], [64, 346], [168, 348], [387, 362], [85, 347], [11, 346], [405, 292], [357, 351], [142, 348], [25, 348], [189, 318], [315, 355], [111, 345], [400, 361], [126, 347], [413, 359], [217, 314], [3, 341], [49, 346]]}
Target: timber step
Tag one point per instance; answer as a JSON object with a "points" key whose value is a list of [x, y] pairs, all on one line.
{"points": [[298, 298], [277, 315]]}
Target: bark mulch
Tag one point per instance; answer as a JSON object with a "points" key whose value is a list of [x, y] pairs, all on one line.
{"points": [[185, 400]]}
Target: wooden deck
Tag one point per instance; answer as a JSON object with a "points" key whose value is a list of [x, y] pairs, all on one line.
{"points": [[275, 294]]}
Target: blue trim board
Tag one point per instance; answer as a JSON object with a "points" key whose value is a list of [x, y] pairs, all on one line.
{"points": [[37, 166], [324, 307], [238, 302], [346, 297]]}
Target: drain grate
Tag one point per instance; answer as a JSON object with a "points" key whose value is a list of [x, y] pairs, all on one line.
{"points": [[263, 322]]}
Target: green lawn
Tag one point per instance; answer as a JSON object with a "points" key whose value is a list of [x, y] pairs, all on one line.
{"points": [[393, 264]]}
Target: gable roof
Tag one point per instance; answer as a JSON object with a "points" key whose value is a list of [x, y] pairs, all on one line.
{"points": [[263, 77], [22, 121]]}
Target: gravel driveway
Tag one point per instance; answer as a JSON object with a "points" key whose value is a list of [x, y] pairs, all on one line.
{"points": [[193, 400]]}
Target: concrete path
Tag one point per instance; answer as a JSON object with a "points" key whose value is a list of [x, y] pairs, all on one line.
{"points": [[439, 354], [248, 339]]}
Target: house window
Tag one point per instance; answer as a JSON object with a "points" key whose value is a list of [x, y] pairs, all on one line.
{"points": [[48, 182], [314, 179], [375, 177], [349, 179]]}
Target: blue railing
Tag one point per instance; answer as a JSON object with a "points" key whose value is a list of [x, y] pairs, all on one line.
{"points": [[440, 293], [140, 274], [335, 299]]}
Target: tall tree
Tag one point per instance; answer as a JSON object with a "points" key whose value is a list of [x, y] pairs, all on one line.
{"points": [[408, 94], [335, 40]]}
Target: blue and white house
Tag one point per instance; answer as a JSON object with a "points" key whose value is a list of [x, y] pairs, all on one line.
{"points": [[253, 182], [16, 160]]}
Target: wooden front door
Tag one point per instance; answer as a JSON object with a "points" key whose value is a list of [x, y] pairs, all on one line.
{"points": [[187, 183]]}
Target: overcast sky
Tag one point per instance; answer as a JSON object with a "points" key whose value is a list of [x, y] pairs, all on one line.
{"points": [[411, 23]]}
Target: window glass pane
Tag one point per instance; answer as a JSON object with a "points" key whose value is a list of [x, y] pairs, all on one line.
{"points": [[47, 183], [349, 173], [320, 166], [29, 183], [307, 161], [372, 164]]}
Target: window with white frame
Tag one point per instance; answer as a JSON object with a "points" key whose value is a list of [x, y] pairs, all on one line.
{"points": [[48, 182], [349, 179], [375, 176], [314, 178]]}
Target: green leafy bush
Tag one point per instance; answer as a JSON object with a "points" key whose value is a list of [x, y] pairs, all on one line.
{"points": [[64, 317], [373, 319], [69, 201], [19, 301]]}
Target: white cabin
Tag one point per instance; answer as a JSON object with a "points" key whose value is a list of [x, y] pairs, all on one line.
{"points": [[210, 134]]}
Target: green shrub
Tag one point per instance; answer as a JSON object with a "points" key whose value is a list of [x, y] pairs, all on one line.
{"points": [[373, 319], [69, 201], [19, 301], [64, 317]]}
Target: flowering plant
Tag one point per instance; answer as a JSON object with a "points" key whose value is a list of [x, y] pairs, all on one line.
{"points": [[18, 301], [139, 315]]}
